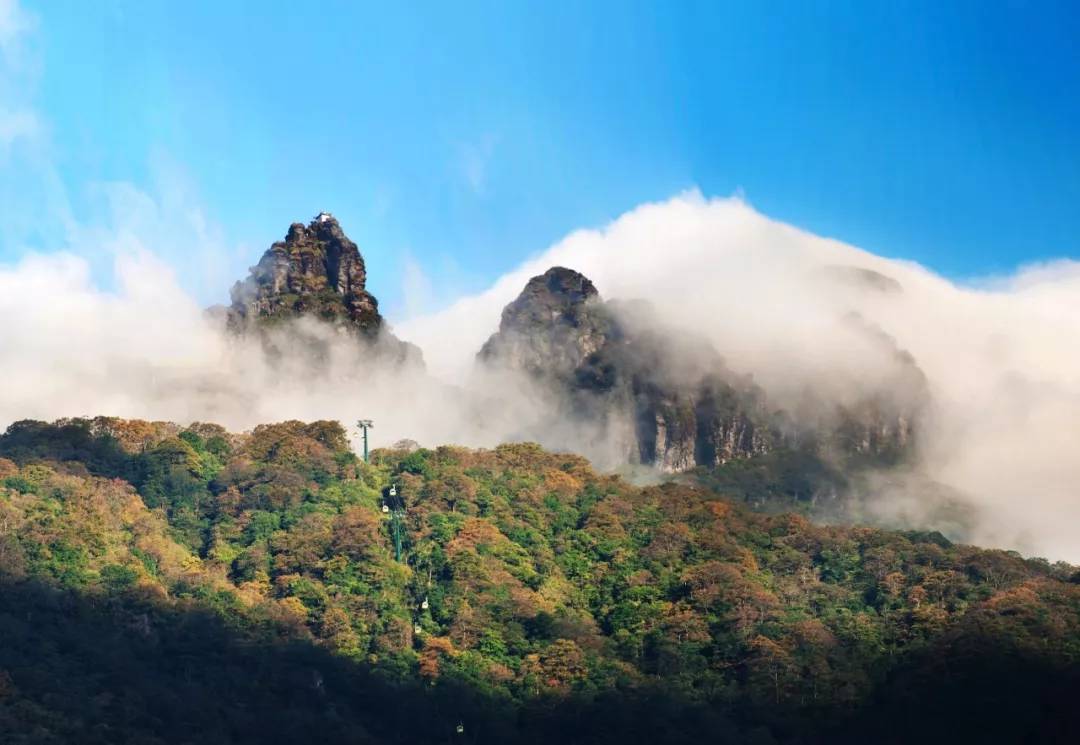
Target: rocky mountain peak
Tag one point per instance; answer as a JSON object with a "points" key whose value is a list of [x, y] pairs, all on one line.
{"points": [[558, 296], [562, 285], [315, 271], [552, 327]]}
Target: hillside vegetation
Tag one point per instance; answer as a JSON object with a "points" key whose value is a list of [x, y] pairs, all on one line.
{"points": [[161, 584]]}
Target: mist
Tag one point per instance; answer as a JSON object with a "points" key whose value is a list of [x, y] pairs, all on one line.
{"points": [[999, 355], [796, 311]]}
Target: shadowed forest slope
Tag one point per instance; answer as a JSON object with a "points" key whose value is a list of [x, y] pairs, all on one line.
{"points": [[169, 584]]}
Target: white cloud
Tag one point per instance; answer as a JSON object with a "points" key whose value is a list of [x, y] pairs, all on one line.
{"points": [[169, 219], [15, 23], [16, 124], [17, 121], [474, 160], [36, 203], [1001, 357], [416, 287]]}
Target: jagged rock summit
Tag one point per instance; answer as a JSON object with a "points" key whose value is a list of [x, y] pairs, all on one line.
{"points": [[553, 326], [317, 272]]}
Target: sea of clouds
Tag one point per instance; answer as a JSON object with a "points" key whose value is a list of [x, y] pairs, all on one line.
{"points": [[1000, 356]]}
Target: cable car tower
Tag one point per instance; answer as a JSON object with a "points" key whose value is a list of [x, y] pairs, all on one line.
{"points": [[365, 425]]}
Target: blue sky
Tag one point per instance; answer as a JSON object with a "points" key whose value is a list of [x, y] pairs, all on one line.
{"points": [[463, 137]]}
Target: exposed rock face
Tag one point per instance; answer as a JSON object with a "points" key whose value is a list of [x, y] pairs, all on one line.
{"points": [[882, 424], [709, 424], [553, 327], [608, 362], [318, 273], [316, 270], [611, 363]]}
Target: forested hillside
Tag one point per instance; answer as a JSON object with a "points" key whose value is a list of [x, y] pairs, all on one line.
{"points": [[161, 584]]}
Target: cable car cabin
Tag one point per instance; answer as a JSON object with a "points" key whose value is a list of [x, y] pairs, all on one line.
{"points": [[417, 628], [385, 507], [393, 490], [424, 604]]}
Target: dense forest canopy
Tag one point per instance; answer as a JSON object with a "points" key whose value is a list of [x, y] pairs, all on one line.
{"points": [[165, 584]]}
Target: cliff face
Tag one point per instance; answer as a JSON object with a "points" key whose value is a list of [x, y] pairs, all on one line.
{"points": [[882, 424], [611, 362], [316, 273], [316, 270], [607, 362], [709, 424]]}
